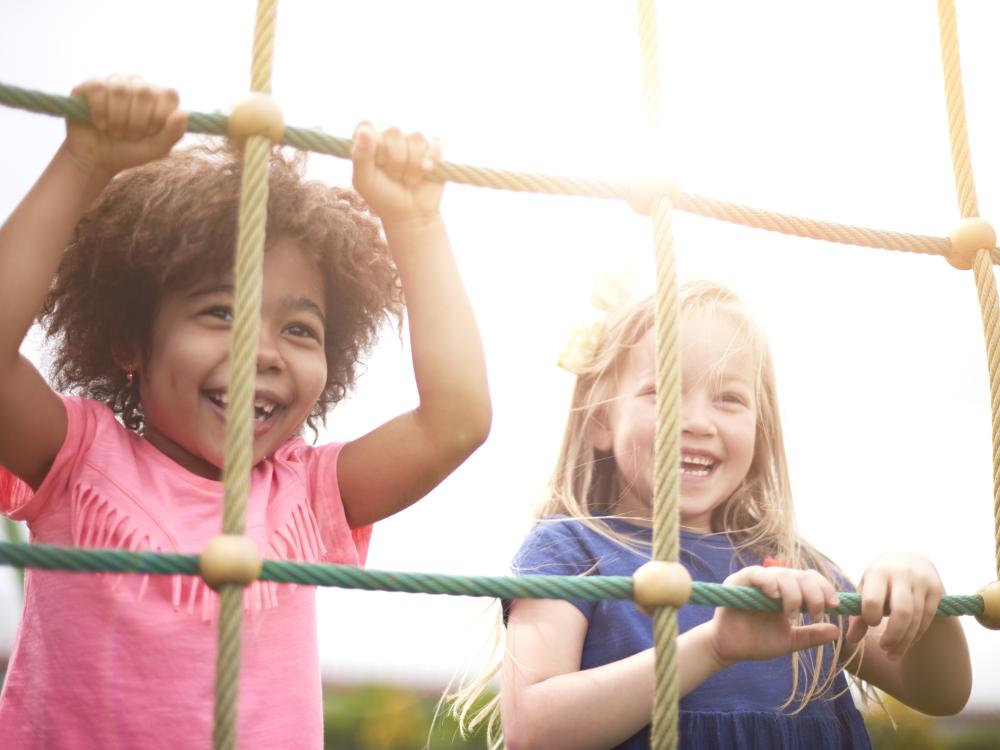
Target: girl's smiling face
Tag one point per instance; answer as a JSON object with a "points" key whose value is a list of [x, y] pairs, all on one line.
{"points": [[718, 420], [183, 383]]}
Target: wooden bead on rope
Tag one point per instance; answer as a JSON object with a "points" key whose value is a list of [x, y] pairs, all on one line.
{"points": [[990, 618], [230, 558], [967, 239], [642, 193], [660, 584], [257, 114]]}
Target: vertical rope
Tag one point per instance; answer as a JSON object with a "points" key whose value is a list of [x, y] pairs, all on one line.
{"points": [[666, 537], [961, 162], [247, 284], [988, 305], [649, 51], [666, 542], [965, 188]]}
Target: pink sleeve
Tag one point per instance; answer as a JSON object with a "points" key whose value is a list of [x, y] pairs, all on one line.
{"points": [[14, 494], [344, 545], [83, 418]]}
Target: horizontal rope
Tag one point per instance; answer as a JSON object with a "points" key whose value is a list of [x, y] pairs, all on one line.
{"points": [[592, 588], [75, 108]]}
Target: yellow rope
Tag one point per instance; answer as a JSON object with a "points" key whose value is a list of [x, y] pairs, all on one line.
{"points": [[666, 536], [649, 49], [247, 284], [987, 290], [965, 187], [666, 541]]}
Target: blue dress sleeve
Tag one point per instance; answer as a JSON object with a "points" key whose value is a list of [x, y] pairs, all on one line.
{"points": [[554, 547]]}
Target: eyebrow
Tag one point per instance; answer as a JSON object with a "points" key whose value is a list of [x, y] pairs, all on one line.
{"points": [[295, 304]]}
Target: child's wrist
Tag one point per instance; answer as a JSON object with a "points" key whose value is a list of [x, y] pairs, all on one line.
{"points": [[87, 168], [709, 635], [413, 225]]}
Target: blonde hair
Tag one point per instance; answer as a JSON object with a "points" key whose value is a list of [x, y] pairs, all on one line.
{"points": [[758, 517]]}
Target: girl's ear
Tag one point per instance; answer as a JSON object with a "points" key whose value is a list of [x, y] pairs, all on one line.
{"points": [[598, 432]]}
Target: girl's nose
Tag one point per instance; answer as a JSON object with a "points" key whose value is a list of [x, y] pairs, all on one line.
{"points": [[696, 417], [268, 355]]}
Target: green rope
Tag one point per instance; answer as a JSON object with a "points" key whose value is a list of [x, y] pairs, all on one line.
{"points": [[589, 588], [75, 108]]}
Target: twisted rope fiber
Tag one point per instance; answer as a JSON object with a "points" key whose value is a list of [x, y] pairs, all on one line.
{"points": [[590, 588], [965, 185], [990, 309], [263, 46], [248, 265], [666, 535], [75, 108], [649, 51], [968, 204]]}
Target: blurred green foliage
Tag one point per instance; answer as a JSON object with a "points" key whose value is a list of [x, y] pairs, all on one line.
{"points": [[388, 717], [917, 731]]}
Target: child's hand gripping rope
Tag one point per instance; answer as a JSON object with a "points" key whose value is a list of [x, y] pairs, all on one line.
{"points": [[909, 585], [739, 635], [132, 122]]}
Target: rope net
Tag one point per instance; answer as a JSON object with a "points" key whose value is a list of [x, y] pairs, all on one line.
{"points": [[660, 206]]}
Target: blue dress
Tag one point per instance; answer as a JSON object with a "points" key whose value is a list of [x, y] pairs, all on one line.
{"points": [[734, 708]]}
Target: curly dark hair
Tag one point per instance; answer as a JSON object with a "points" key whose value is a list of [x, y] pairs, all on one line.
{"points": [[165, 225]]}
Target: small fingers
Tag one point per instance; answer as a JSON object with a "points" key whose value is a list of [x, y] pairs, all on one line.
{"points": [[141, 103], [791, 595], [856, 629], [119, 90], [164, 104], [874, 592], [417, 150], [799, 590], [96, 94], [899, 620], [363, 150], [817, 594], [393, 152]]}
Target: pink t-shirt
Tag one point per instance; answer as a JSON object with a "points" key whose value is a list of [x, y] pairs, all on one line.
{"points": [[128, 661]]}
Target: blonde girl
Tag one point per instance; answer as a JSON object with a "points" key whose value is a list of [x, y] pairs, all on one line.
{"points": [[580, 674]]}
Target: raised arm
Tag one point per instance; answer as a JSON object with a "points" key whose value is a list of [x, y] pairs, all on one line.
{"points": [[399, 462], [133, 123], [914, 656]]}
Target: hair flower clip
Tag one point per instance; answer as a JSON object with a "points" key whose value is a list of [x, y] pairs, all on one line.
{"points": [[609, 292]]}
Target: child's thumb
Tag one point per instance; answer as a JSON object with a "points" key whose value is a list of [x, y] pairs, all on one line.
{"points": [[810, 636]]}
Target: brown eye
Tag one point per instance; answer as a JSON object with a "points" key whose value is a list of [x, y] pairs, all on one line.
{"points": [[219, 311], [301, 330]]}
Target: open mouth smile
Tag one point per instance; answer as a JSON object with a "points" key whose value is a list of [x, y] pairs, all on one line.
{"points": [[696, 466], [263, 408]]}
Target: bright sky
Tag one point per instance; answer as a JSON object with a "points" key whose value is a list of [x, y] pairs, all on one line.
{"points": [[833, 111]]}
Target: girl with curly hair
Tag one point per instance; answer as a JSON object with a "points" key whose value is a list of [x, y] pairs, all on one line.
{"points": [[127, 249]]}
